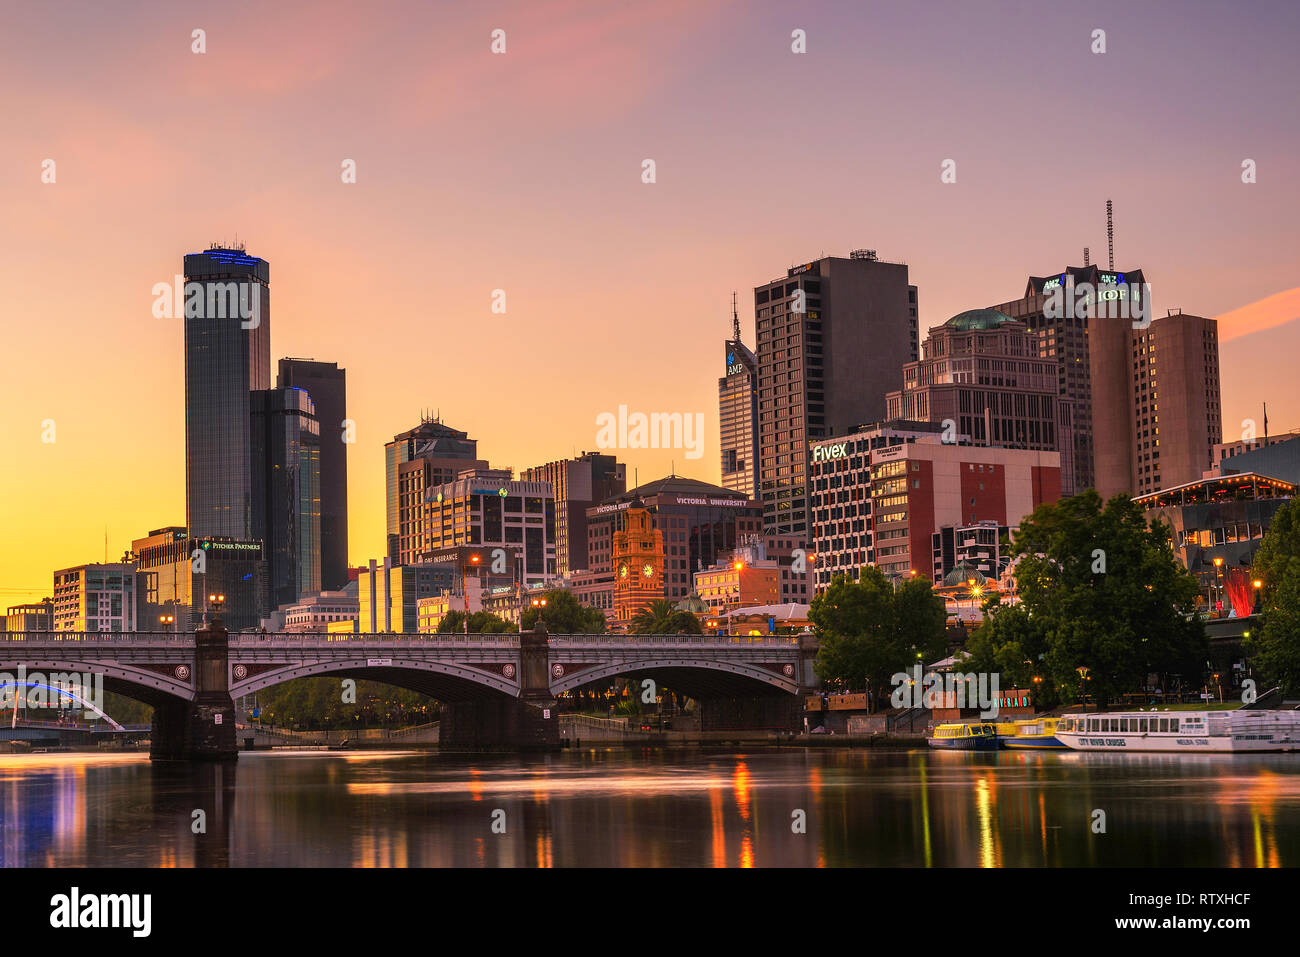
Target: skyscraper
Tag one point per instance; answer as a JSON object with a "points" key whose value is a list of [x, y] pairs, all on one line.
{"points": [[982, 373], [1156, 395], [1064, 338], [286, 457], [832, 339], [578, 484], [326, 383], [429, 455], [227, 355], [738, 418]]}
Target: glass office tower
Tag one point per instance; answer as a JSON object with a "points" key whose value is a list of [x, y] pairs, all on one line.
{"points": [[286, 490], [227, 354]]}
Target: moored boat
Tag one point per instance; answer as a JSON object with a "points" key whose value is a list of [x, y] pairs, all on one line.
{"points": [[1233, 731], [1038, 734], [978, 736]]}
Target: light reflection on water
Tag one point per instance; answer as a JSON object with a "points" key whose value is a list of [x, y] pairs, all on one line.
{"points": [[653, 809]]}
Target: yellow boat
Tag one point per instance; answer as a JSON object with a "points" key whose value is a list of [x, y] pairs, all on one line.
{"points": [[1038, 734], [979, 736]]}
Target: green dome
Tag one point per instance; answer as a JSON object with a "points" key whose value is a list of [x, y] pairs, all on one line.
{"points": [[963, 573], [978, 319]]}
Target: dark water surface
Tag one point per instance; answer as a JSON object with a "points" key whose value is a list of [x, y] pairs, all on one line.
{"points": [[653, 808]]}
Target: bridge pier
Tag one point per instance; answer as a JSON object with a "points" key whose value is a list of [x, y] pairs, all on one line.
{"points": [[202, 729], [528, 723]]}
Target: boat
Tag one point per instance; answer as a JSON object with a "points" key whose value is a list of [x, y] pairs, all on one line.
{"points": [[1038, 734], [1235, 731], [978, 736]]}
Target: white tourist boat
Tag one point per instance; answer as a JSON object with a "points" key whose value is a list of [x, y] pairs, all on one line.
{"points": [[1197, 731]]}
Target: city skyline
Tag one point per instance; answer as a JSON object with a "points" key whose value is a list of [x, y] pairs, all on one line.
{"points": [[607, 303]]}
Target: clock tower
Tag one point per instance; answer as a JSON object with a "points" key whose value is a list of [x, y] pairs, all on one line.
{"points": [[637, 558]]}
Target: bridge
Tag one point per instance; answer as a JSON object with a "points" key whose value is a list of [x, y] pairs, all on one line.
{"points": [[496, 691]]}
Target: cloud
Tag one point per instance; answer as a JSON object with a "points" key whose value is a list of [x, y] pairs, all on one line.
{"points": [[1275, 310]]}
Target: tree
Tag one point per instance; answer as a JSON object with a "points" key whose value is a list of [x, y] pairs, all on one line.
{"points": [[1101, 590], [870, 630], [565, 615], [653, 619], [480, 623], [1276, 645]]}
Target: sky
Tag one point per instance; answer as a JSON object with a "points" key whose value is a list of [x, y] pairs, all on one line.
{"points": [[522, 171]]}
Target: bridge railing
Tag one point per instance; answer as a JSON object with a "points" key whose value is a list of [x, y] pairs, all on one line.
{"points": [[694, 641], [99, 637], [290, 639]]}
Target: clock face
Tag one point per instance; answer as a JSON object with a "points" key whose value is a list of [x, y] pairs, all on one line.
{"points": [[648, 570], [622, 571]]}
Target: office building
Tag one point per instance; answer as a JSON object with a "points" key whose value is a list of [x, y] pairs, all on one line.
{"points": [[95, 597], [832, 338], [700, 523], [227, 356], [840, 495], [326, 384], [313, 614], [388, 597], [1157, 414], [428, 455], [982, 375], [976, 547], [509, 520], [577, 484], [286, 455], [175, 575], [738, 418], [745, 580], [37, 616]]}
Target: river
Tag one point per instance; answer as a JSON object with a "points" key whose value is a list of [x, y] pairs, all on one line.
{"points": [[653, 808]]}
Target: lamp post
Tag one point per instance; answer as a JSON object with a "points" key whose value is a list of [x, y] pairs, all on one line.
{"points": [[1254, 609], [217, 600], [464, 586], [1218, 568], [540, 605]]}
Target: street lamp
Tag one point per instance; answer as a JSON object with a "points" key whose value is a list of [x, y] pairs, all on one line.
{"points": [[216, 600], [464, 586], [1254, 610], [540, 604], [1218, 568]]}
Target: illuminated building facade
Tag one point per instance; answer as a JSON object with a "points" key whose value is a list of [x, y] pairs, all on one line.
{"points": [[638, 559]]}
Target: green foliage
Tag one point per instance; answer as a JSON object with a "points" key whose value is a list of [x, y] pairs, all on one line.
{"points": [[870, 630], [653, 619], [480, 623], [1275, 647], [565, 615], [1099, 589], [316, 704]]}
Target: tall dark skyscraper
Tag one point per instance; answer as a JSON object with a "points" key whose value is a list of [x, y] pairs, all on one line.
{"points": [[326, 383], [738, 419], [227, 356], [833, 336], [286, 454]]}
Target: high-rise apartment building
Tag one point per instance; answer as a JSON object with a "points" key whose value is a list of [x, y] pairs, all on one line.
{"points": [[286, 457], [1156, 396], [982, 377], [95, 597], [1064, 338], [833, 336], [326, 383], [227, 356], [738, 419], [429, 455], [577, 484]]}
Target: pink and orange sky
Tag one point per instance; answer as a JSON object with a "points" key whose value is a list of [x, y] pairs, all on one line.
{"points": [[522, 172]]}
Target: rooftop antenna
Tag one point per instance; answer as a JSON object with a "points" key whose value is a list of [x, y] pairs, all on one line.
{"points": [[735, 318], [1086, 259], [1110, 232], [1266, 424]]}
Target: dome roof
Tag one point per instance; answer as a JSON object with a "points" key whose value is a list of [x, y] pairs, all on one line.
{"points": [[963, 573], [692, 603], [978, 319]]}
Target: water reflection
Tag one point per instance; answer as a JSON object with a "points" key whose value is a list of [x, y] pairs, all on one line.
{"points": [[652, 809]]}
